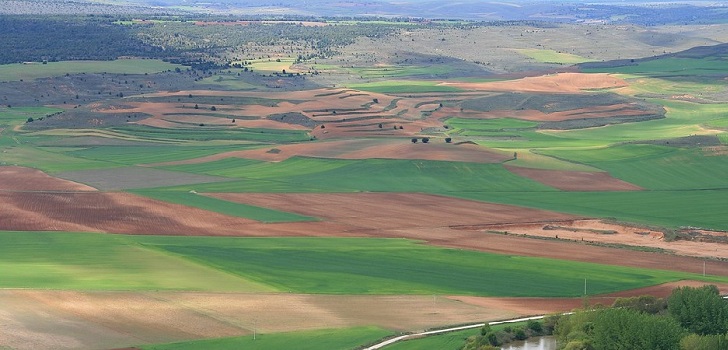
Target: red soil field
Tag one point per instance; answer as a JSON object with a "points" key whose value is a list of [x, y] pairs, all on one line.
{"points": [[126, 213], [15, 178], [457, 223], [575, 180]]}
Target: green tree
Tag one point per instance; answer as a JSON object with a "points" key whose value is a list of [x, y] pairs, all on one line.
{"points": [[619, 329], [699, 310]]}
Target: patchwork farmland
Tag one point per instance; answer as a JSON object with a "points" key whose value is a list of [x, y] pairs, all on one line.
{"points": [[333, 205]]}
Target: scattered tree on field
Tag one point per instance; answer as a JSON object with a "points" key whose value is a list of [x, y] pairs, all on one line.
{"points": [[448, 140], [414, 140], [425, 139], [213, 108], [196, 106]]}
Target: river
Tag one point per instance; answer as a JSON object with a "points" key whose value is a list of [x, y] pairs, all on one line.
{"points": [[535, 343]]}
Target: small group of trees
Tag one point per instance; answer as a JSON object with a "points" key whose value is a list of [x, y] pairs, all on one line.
{"points": [[427, 140], [690, 319]]}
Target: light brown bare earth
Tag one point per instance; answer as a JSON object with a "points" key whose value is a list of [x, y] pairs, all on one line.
{"points": [[598, 231], [86, 320], [575, 180]]}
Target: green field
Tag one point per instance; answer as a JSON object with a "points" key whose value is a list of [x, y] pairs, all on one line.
{"points": [[670, 67], [18, 71], [213, 133], [133, 155], [403, 86], [87, 261], [330, 339], [225, 207], [656, 167], [551, 56], [677, 208], [300, 174], [392, 266]]}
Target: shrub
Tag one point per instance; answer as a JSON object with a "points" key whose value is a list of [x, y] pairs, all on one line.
{"points": [[535, 326]]}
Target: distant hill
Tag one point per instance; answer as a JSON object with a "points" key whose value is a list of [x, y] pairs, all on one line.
{"points": [[644, 12]]}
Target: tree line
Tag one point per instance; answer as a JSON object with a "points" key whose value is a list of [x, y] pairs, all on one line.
{"points": [[689, 319]]}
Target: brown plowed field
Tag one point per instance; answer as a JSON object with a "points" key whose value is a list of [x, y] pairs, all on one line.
{"points": [[457, 223], [127, 213], [575, 180], [15, 178], [363, 149]]}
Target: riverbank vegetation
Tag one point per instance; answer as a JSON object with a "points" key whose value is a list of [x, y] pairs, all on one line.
{"points": [[690, 319]]}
